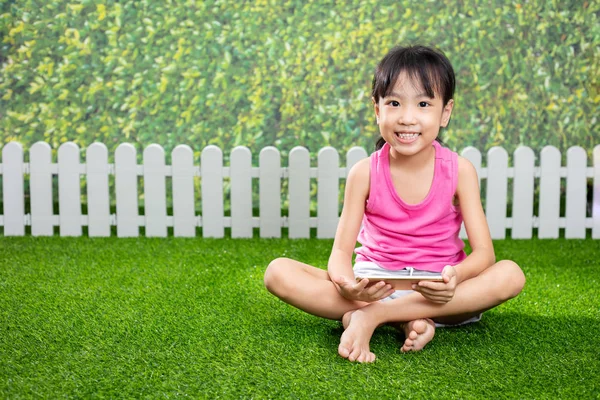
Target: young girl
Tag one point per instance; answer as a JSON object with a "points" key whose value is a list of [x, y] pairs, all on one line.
{"points": [[405, 204]]}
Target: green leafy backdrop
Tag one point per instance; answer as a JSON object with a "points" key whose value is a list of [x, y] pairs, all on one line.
{"points": [[289, 73]]}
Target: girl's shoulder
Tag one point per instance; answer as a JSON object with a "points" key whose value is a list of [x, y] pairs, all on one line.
{"points": [[358, 181], [465, 166], [361, 170], [468, 178]]}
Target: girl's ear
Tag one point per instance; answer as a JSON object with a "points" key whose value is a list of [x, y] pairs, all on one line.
{"points": [[447, 112], [376, 108]]}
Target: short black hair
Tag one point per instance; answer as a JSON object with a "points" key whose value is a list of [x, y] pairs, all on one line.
{"points": [[424, 64]]}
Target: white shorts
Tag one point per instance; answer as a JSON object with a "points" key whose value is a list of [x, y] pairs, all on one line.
{"points": [[365, 268]]}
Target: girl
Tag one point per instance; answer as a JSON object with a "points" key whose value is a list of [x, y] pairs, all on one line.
{"points": [[405, 204]]}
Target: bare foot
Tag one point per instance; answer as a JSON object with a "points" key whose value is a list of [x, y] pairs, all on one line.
{"points": [[418, 334], [354, 343]]}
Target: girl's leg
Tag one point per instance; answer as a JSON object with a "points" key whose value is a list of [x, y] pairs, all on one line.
{"points": [[310, 289], [307, 288], [497, 284]]}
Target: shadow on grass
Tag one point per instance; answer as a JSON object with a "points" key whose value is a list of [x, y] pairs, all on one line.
{"points": [[501, 331]]}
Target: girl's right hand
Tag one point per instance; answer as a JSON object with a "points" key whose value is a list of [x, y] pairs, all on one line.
{"points": [[360, 291]]}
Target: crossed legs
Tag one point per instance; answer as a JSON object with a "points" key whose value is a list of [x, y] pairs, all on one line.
{"points": [[310, 289]]}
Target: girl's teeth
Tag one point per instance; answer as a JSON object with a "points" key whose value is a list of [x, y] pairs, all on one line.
{"points": [[408, 135]]}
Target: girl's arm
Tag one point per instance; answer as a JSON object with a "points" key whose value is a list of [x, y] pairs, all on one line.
{"points": [[355, 196], [476, 225]]}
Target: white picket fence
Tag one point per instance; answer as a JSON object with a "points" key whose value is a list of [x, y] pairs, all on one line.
{"points": [[270, 173]]}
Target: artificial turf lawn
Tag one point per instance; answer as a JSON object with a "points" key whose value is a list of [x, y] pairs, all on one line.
{"points": [[133, 318]]}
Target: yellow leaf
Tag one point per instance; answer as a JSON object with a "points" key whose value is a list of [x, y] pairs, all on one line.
{"points": [[72, 32], [163, 84], [64, 94], [76, 8], [17, 29], [101, 9], [34, 87]]}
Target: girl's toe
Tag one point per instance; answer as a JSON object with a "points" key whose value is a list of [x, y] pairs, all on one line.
{"points": [[343, 351], [354, 354], [362, 358]]}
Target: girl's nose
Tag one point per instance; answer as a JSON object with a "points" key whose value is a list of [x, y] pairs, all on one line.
{"points": [[406, 116]]}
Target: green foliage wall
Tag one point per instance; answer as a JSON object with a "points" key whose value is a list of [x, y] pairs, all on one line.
{"points": [[290, 73]]}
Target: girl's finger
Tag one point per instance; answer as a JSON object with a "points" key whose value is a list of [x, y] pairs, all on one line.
{"points": [[385, 291], [439, 286], [373, 290], [433, 293], [361, 284], [423, 289], [388, 293]]}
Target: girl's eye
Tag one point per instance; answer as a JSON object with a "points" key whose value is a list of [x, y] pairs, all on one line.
{"points": [[423, 104], [394, 103]]}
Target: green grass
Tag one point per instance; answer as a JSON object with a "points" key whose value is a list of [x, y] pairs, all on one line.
{"points": [[114, 318]]}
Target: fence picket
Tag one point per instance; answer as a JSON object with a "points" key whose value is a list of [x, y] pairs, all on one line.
{"points": [[212, 192], [353, 156], [97, 190], [299, 193], [40, 187], [596, 194], [241, 192], [549, 208], [474, 156], [13, 194], [126, 191], [327, 192], [184, 218], [576, 193], [270, 192], [69, 190], [496, 191], [155, 206], [522, 205]]}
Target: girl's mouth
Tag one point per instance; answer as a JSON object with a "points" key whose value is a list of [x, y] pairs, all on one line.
{"points": [[407, 137]]}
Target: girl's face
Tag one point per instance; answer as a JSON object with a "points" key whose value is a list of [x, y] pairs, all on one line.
{"points": [[408, 119]]}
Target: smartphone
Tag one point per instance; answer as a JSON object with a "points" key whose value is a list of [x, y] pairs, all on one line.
{"points": [[403, 282]]}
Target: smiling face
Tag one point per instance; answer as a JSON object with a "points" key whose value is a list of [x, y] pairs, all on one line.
{"points": [[409, 120]]}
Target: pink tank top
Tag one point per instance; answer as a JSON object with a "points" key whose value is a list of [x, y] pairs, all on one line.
{"points": [[396, 235]]}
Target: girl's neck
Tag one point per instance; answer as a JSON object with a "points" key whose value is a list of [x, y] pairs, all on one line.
{"points": [[413, 162]]}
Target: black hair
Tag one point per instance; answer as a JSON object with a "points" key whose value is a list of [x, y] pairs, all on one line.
{"points": [[427, 65]]}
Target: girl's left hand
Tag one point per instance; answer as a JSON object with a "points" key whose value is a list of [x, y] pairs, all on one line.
{"points": [[439, 292]]}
